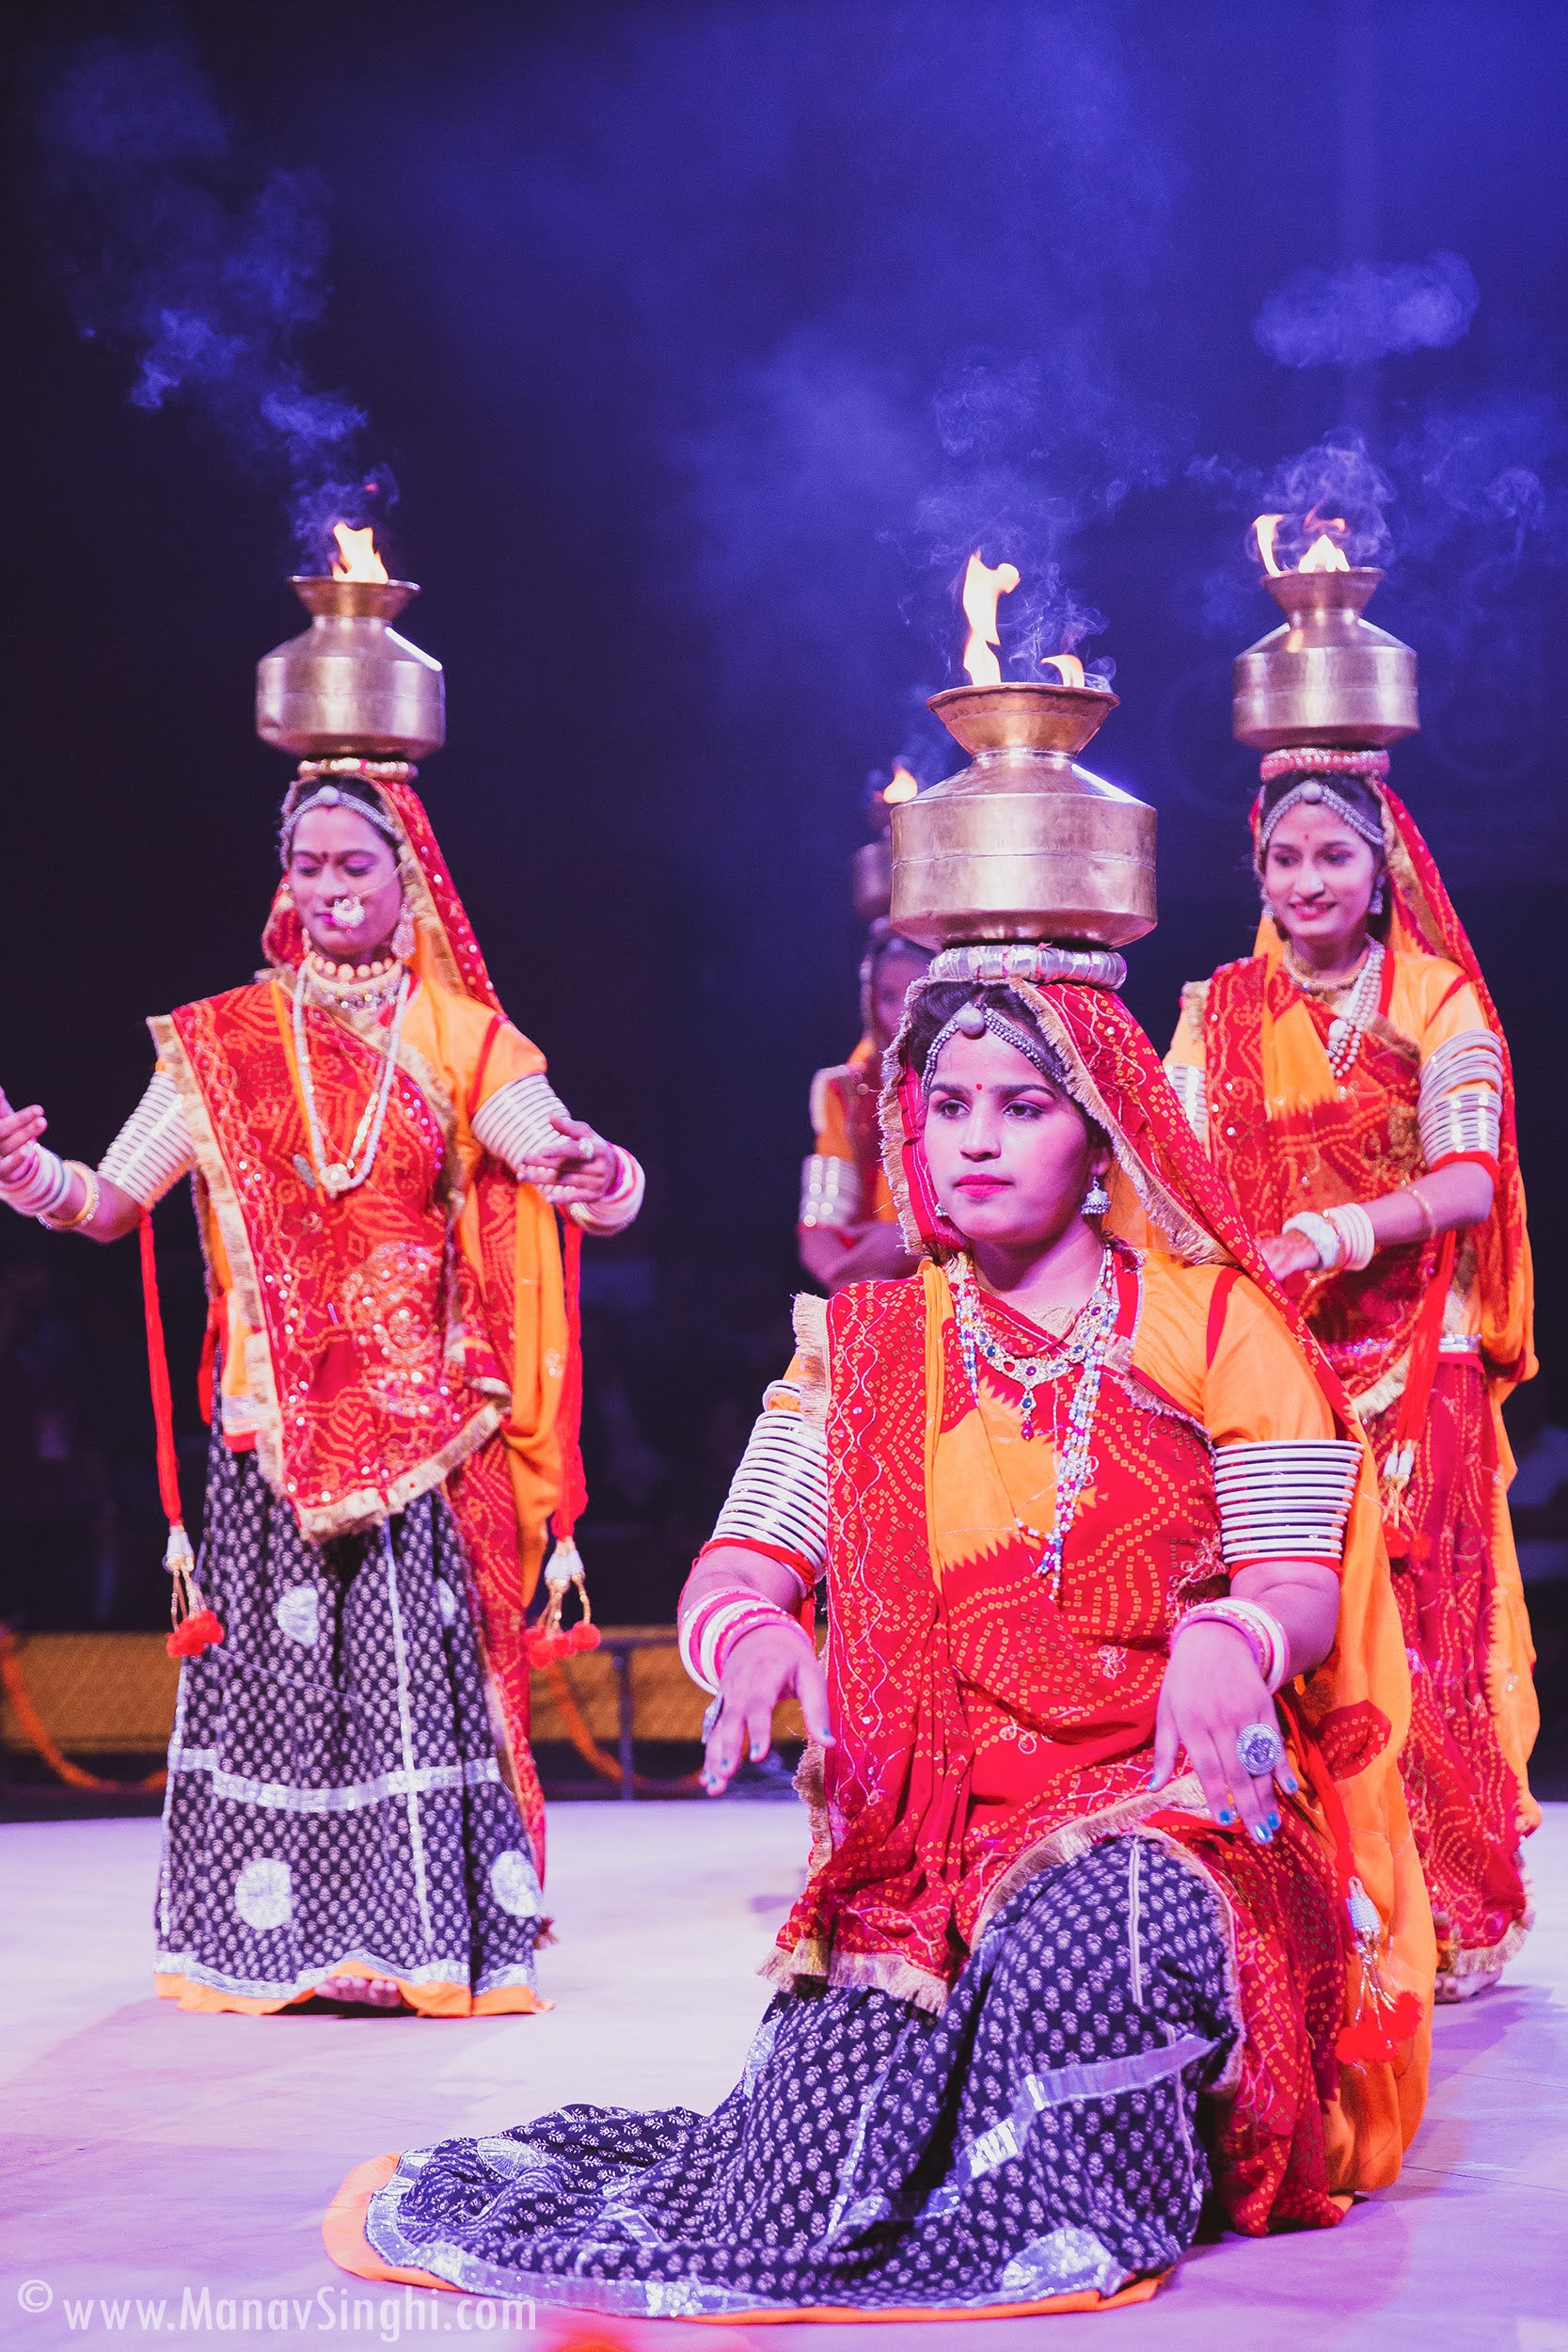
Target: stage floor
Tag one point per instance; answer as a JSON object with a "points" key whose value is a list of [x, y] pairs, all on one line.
{"points": [[152, 2156]]}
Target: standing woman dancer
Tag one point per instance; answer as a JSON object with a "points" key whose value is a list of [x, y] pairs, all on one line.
{"points": [[353, 1809], [1353, 1085]]}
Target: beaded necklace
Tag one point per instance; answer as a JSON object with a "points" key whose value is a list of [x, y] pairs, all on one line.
{"points": [[1346, 1029], [334, 1176], [1085, 1351]]}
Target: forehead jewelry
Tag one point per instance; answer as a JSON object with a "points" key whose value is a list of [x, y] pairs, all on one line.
{"points": [[1316, 794], [328, 796], [972, 1021]]}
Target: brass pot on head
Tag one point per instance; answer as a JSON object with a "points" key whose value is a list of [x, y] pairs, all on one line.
{"points": [[1022, 844], [871, 879], [1327, 676], [349, 683]]}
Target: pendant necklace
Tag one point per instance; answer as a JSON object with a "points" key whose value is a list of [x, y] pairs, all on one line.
{"points": [[1084, 1350], [1346, 1029], [335, 1176]]}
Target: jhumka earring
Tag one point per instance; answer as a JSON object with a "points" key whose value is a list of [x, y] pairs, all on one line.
{"points": [[1096, 1199], [403, 937], [1375, 904]]}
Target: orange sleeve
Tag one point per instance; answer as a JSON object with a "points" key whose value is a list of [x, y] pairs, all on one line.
{"points": [[1211, 1341], [830, 1126], [1188, 1049]]}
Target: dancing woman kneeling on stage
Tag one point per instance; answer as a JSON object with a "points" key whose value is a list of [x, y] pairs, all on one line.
{"points": [[1107, 1820]]}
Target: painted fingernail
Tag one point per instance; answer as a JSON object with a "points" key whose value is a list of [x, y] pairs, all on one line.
{"points": [[1225, 1815], [1152, 1780], [1291, 1785], [1262, 1832], [1273, 1820]]}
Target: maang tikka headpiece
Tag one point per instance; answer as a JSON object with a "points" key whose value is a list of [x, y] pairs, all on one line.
{"points": [[1315, 793], [973, 1020]]}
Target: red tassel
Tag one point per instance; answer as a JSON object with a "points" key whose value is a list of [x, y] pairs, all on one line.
{"points": [[1378, 2035], [199, 1632]]}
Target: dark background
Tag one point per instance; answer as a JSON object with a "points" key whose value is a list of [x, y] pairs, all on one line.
{"points": [[663, 318]]}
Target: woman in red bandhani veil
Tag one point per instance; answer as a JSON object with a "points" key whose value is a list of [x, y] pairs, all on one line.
{"points": [[1084, 1500], [378, 1161], [1352, 1083]]}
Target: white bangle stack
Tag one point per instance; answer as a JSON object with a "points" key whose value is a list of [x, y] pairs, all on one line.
{"points": [[1355, 1227], [1342, 1237], [1323, 1237], [40, 1192], [1259, 1627]]}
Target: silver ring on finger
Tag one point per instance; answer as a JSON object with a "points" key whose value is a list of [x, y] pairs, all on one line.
{"points": [[711, 1713], [1258, 1749]]}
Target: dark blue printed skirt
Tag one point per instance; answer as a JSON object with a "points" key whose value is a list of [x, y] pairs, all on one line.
{"points": [[334, 1790], [1036, 2139]]}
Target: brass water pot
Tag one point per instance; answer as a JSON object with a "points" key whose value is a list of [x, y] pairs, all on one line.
{"points": [[349, 683], [1022, 844], [1327, 676], [871, 879]]}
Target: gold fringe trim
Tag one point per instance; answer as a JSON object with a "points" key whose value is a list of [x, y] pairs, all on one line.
{"points": [[365, 1505], [873, 1972], [811, 1341]]}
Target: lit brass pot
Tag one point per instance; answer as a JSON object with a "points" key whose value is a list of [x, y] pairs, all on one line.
{"points": [[1327, 676], [349, 683], [871, 879], [1022, 844]]}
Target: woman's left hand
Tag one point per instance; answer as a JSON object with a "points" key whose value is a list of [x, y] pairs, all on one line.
{"points": [[580, 1167], [1211, 1692]]}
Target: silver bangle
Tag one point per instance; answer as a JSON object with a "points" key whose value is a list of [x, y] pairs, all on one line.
{"points": [[1328, 1244]]}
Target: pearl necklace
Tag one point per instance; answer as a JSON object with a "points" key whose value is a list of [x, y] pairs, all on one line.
{"points": [[1084, 1350], [353, 987], [336, 1177], [1348, 1026]]}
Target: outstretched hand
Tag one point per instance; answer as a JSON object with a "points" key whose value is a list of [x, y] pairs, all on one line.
{"points": [[18, 1129], [762, 1668], [580, 1167], [1211, 1692]]}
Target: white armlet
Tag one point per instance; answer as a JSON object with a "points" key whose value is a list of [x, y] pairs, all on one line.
{"points": [[1190, 1086], [1461, 1100], [154, 1148], [1286, 1500], [779, 1493]]}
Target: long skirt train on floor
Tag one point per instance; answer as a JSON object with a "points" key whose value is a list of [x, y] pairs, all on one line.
{"points": [[1038, 2142]]}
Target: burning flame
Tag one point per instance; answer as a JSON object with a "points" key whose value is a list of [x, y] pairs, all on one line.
{"points": [[983, 590], [1263, 529], [1066, 666], [356, 558], [900, 787], [1323, 555]]}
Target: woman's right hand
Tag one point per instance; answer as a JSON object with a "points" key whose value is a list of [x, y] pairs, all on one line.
{"points": [[762, 1668], [1287, 1255], [19, 1131]]}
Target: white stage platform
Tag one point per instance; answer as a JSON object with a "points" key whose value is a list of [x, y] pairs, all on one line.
{"points": [[147, 2153]]}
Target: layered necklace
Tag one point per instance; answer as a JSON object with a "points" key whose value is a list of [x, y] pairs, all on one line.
{"points": [[1348, 1026], [1083, 1351], [342, 987]]}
